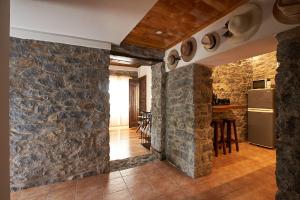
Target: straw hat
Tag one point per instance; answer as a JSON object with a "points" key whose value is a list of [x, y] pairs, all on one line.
{"points": [[244, 25], [172, 59], [287, 12], [210, 41], [188, 49]]}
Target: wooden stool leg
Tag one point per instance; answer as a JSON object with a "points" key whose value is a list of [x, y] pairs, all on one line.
{"points": [[216, 139], [229, 136], [235, 137], [223, 138]]}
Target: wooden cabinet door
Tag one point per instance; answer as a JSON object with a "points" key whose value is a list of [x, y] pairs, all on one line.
{"points": [[133, 102]]}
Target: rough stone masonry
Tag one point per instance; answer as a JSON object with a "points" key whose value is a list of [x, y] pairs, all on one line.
{"points": [[288, 115], [158, 110], [59, 112], [188, 117]]}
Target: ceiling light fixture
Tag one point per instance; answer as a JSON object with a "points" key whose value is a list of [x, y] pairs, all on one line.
{"points": [[158, 32]]}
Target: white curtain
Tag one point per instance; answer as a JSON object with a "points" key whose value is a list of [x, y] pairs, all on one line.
{"points": [[119, 100]]}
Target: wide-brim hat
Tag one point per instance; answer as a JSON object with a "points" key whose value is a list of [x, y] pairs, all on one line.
{"points": [[210, 41], [172, 59], [287, 12], [188, 49], [245, 24]]}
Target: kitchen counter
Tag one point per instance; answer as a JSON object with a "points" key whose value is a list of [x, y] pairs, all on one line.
{"points": [[224, 108]]}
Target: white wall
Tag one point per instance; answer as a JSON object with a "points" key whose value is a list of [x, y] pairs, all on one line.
{"points": [[4, 133], [146, 71]]}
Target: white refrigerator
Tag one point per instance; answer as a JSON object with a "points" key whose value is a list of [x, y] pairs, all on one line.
{"points": [[261, 117]]}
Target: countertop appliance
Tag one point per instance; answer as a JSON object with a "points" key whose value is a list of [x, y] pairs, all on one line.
{"points": [[261, 117], [218, 101], [262, 84]]}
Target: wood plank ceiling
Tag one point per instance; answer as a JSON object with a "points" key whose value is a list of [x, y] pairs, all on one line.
{"points": [[171, 21]]}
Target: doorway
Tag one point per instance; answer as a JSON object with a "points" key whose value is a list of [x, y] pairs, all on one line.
{"points": [[125, 140]]}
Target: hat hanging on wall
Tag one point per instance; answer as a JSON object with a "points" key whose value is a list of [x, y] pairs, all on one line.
{"points": [[210, 41], [188, 49], [172, 59], [243, 26], [287, 11]]}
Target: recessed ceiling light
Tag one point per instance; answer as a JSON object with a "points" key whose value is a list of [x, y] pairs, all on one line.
{"points": [[158, 32]]}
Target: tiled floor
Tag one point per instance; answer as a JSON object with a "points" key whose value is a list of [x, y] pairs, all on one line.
{"points": [[125, 143], [248, 174]]}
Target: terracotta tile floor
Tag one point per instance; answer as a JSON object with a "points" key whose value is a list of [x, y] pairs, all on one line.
{"points": [[125, 143], [248, 174]]}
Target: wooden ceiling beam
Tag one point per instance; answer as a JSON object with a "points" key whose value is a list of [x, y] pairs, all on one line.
{"points": [[133, 56], [133, 60], [137, 52]]}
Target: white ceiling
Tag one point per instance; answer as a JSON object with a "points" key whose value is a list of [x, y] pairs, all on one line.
{"points": [[95, 20]]}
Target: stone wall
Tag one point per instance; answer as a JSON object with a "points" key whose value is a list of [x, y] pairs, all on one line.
{"points": [[121, 164], [264, 66], [233, 80], [288, 115], [59, 112], [203, 117], [188, 117], [158, 109]]}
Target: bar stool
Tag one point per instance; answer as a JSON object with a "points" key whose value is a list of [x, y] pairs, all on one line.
{"points": [[230, 122], [216, 124]]}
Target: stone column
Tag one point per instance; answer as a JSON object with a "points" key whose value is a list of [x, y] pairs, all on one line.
{"points": [[288, 115], [203, 116], [188, 117], [158, 110]]}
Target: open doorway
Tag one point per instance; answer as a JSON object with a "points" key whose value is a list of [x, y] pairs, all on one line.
{"points": [[128, 102], [243, 123]]}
